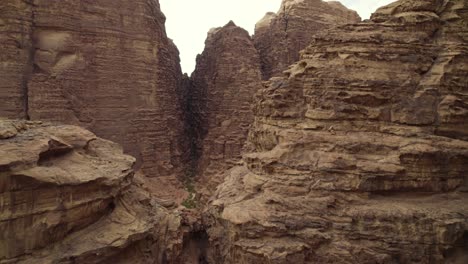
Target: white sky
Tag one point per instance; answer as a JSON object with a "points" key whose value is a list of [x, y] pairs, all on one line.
{"points": [[188, 21]]}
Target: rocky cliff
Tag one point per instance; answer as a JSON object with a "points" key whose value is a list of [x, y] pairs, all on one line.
{"points": [[280, 36], [67, 196], [223, 86], [359, 154], [104, 65]]}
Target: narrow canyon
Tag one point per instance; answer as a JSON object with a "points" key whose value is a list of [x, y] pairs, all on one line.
{"points": [[322, 138]]}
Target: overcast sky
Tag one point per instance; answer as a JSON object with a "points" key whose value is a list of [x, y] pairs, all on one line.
{"points": [[188, 21]]}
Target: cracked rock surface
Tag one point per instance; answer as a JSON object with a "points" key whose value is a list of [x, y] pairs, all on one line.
{"points": [[358, 154]]}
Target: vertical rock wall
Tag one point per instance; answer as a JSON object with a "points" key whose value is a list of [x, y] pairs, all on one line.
{"points": [[105, 65], [16, 19], [224, 83]]}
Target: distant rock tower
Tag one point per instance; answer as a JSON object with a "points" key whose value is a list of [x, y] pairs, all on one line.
{"points": [[280, 37]]}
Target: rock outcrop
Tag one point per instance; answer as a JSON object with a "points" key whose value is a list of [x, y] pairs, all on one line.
{"points": [[279, 37], [223, 86], [67, 196], [360, 153], [104, 65]]}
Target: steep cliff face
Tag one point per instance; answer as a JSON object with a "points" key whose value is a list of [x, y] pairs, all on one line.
{"points": [[359, 155], [224, 83], [279, 37], [105, 65], [67, 196], [15, 44]]}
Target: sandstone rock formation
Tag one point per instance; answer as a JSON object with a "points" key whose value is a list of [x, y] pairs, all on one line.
{"points": [[105, 65], [279, 37], [360, 154], [67, 196], [223, 85]]}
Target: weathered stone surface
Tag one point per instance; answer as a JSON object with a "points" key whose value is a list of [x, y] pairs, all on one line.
{"points": [[15, 44], [67, 196], [360, 153], [279, 37], [105, 65], [224, 83]]}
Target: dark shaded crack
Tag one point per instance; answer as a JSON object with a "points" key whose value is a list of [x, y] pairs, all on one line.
{"points": [[195, 246], [29, 69], [56, 149], [194, 118]]}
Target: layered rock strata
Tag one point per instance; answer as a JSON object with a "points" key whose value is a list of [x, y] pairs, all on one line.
{"points": [[67, 196], [104, 65], [359, 154], [280, 36], [223, 86]]}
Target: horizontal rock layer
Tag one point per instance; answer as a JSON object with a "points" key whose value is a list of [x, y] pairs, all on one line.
{"points": [[359, 154], [67, 196]]}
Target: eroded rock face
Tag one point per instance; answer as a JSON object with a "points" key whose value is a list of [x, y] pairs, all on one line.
{"points": [[360, 154], [67, 196], [279, 37], [224, 83], [105, 65]]}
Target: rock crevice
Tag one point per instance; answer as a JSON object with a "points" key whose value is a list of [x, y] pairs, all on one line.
{"points": [[229, 73]]}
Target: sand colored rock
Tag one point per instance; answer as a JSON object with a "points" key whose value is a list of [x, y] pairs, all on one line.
{"points": [[104, 65], [67, 196], [279, 37], [359, 154], [223, 86]]}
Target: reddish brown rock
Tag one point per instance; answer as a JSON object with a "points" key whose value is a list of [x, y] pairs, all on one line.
{"points": [[224, 82], [67, 196], [359, 154], [15, 57], [105, 65], [279, 37]]}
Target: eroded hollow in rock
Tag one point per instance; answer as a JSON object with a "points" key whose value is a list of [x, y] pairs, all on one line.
{"points": [[195, 247], [56, 149], [458, 254]]}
